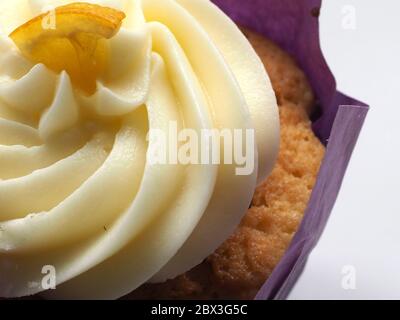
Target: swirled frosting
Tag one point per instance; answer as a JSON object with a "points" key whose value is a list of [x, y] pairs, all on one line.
{"points": [[76, 189]]}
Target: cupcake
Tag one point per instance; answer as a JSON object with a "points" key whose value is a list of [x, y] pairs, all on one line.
{"points": [[112, 182]]}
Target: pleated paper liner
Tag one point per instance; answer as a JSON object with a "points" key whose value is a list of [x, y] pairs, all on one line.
{"points": [[294, 25]]}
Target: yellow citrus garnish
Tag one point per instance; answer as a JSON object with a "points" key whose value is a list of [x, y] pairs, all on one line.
{"points": [[75, 43]]}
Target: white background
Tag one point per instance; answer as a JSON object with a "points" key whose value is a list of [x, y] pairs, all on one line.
{"points": [[362, 238]]}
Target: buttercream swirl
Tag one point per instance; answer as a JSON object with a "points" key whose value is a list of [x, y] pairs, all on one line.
{"points": [[76, 189]]}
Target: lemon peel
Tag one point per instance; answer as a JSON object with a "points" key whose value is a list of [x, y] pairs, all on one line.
{"points": [[75, 43]]}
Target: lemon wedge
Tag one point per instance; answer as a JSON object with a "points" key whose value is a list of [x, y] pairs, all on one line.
{"points": [[74, 43]]}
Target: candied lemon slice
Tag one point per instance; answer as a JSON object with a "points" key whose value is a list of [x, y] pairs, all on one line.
{"points": [[75, 42]]}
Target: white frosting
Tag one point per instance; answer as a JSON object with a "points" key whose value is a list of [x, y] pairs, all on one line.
{"points": [[76, 189]]}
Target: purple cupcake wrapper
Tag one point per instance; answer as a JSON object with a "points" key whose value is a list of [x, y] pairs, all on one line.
{"points": [[294, 25]]}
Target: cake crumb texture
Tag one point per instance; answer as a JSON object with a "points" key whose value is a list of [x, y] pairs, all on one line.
{"points": [[240, 266]]}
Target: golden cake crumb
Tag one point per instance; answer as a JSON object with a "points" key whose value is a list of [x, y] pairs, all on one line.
{"points": [[242, 263]]}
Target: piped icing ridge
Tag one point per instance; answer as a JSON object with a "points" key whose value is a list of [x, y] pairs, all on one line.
{"points": [[77, 190]]}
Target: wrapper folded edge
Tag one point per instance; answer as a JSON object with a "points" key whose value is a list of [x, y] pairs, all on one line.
{"points": [[345, 132], [294, 26]]}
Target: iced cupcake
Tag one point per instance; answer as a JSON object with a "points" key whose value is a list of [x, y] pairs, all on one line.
{"points": [[102, 188]]}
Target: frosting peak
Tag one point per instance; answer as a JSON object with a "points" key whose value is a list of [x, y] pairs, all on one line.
{"points": [[122, 87]]}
